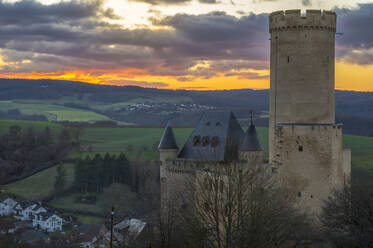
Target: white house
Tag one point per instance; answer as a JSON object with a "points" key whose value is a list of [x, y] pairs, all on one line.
{"points": [[49, 222], [22, 210], [7, 207], [28, 210]]}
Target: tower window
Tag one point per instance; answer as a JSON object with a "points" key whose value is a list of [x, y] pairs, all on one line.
{"points": [[205, 140], [214, 141], [300, 148], [195, 140], [299, 194], [288, 59]]}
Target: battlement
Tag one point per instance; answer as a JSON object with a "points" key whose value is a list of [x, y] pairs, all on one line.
{"points": [[294, 20]]}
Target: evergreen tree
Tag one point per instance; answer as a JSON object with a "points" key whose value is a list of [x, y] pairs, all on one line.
{"points": [[107, 175], [96, 171], [60, 180], [124, 170], [86, 177]]}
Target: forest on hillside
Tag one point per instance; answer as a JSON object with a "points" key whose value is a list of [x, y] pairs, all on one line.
{"points": [[26, 151]]}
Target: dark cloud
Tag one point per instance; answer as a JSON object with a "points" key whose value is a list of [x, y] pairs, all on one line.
{"points": [[246, 75], [77, 35], [163, 2], [174, 2], [356, 26], [64, 40], [209, 1], [307, 2], [29, 12]]}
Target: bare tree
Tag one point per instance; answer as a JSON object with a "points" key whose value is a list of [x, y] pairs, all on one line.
{"points": [[348, 213], [234, 207]]}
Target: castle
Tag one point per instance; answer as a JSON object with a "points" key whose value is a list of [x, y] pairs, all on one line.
{"points": [[305, 143]]}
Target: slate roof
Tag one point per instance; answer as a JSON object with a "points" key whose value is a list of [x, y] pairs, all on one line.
{"points": [[251, 140], [25, 203], [216, 138], [168, 140]]}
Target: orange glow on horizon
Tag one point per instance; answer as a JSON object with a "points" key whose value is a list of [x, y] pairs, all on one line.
{"points": [[348, 77]]}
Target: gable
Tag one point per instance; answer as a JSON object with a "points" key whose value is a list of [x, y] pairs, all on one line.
{"points": [[9, 202], [216, 138]]}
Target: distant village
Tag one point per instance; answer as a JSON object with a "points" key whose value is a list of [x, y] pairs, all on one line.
{"points": [[34, 222], [165, 106]]}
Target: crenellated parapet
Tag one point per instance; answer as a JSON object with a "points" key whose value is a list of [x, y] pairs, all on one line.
{"points": [[294, 20]]}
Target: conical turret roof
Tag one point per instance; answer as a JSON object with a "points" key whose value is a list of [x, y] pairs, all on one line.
{"points": [[251, 140], [168, 140]]}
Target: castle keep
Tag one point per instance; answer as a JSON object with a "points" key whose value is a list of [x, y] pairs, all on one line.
{"points": [[305, 143]]}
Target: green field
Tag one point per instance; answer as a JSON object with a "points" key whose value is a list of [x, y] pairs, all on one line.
{"points": [[116, 140], [52, 111], [362, 150], [87, 219], [68, 202], [39, 185], [77, 115]]}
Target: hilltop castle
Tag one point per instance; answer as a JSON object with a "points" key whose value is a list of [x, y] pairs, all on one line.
{"points": [[305, 143]]}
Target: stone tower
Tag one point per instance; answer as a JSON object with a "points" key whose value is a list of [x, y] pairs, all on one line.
{"points": [[305, 143], [167, 147], [251, 150]]}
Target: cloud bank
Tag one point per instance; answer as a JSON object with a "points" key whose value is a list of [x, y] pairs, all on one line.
{"points": [[81, 35]]}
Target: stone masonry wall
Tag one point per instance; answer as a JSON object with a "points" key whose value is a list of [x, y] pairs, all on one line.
{"points": [[309, 161]]}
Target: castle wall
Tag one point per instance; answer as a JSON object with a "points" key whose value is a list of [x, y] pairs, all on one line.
{"points": [[347, 164], [164, 155], [252, 157], [310, 161]]}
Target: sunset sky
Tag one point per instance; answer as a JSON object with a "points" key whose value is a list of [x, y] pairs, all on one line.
{"points": [[170, 44]]}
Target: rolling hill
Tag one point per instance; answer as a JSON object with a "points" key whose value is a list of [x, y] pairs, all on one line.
{"points": [[83, 102]]}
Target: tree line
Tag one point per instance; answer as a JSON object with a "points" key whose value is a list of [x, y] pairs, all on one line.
{"points": [[15, 114], [25, 150], [94, 174]]}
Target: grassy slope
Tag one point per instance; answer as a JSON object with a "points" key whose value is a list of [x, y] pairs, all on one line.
{"points": [[115, 140], [41, 184], [362, 150], [51, 111]]}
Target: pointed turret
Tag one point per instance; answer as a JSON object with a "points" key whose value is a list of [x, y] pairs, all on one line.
{"points": [[168, 148], [251, 149]]}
